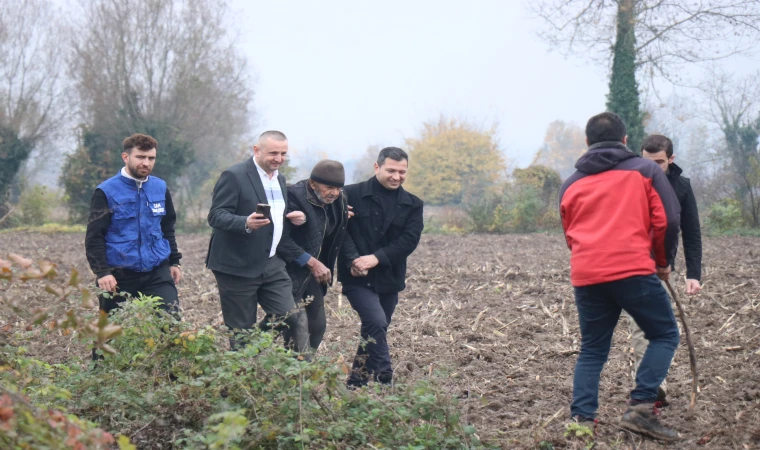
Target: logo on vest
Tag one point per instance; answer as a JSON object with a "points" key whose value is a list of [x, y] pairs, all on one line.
{"points": [[157, 208]]}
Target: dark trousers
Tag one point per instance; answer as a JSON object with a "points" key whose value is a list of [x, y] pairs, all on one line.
{"points": [[272, 290], [156, 283], [315, 315], [599, 307], [373, 358]]}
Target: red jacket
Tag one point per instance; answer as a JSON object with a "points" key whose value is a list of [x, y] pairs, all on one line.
{"points": [[618, 212]]}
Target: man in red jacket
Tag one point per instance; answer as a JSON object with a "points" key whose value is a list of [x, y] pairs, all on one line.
{"points": [[620, 217]]}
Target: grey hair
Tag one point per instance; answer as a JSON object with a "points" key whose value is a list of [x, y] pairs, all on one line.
{"points": [[393, 153], [272, 134]]}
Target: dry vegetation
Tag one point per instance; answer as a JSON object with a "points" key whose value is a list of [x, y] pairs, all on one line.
{"points": [[492, 319]]}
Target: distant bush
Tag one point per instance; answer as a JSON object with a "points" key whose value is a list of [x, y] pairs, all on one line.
{"points": [[527, 204], [724, 215], [34, 208]]}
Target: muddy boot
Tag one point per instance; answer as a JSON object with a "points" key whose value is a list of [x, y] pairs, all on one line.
{"points": [[642, 418]]}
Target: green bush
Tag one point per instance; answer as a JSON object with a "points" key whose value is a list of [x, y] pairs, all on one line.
{"points": [[35, 206], [175, 385], [724, 215]]}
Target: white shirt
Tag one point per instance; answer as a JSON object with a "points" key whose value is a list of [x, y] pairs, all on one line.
{"points": [[276, 202]]}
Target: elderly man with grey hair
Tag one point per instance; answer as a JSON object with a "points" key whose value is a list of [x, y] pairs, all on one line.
{"points": [[242, 253], [311, 249]]}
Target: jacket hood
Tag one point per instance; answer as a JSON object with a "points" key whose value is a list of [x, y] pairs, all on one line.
{"points": [[603, 156], [674, 171]]}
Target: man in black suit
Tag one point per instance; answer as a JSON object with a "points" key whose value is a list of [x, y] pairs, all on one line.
{"points": [[242, 251], [386, 229]]}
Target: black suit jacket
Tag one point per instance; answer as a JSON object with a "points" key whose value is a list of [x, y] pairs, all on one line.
{"points": [[397, 231], [232, 250]]}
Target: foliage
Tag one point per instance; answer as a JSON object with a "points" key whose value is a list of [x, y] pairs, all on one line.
{"points": [[724, 215], [176, 75], [24, 424], [35, 207], [169, 383], [669, 35], [31, 107], [13, 152], [365, 166], [563, 144], [580, 431], [527, 204], [453, 162], [623, 98]]}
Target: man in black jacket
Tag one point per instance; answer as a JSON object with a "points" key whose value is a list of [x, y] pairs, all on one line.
{"points": [[242, 250], [386, 229], [310, 249], [659, 149]]}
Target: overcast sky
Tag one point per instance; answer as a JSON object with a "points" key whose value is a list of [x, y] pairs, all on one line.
{"points": [[341, 75]]}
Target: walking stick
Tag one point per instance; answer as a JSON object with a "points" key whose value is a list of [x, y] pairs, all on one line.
{"points": [[692, 354]]}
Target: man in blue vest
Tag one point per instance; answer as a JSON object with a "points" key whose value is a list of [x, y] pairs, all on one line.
{"points": [[130, 240]]}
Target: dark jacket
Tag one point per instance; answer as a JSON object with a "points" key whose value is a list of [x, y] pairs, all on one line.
{"points": [[391, 237], [617, 211], [231, 250], [102, 220], [299, 243], [690, 230]]}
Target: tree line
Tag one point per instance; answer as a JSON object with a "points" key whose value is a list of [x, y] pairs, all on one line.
{"points": [[106, 70]]}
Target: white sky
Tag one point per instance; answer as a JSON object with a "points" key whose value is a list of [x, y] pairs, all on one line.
{"points": [[338, 76]]}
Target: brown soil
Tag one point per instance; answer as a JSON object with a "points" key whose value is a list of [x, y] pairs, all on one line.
{"points": [[492, 320]]}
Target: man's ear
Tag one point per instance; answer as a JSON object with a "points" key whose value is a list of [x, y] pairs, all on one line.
{"points": [[625, 140]]}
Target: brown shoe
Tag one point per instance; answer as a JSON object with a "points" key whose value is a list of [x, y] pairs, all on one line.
{"points": [[642, 418]]}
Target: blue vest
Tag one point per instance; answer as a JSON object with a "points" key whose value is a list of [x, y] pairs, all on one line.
{"points": [[134, 239]]}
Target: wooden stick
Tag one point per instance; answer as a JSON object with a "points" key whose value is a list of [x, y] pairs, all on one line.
{"points": [[692, 353]]}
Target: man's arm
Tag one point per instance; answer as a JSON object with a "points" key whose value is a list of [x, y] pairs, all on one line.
{"points": [[221, 215], [287, 249], [167, 228], [406, 242], [665, 213], [95, 238], [692, 235]]}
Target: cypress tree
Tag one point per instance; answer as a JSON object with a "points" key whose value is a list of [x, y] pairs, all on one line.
{"points": [[623, 98]]}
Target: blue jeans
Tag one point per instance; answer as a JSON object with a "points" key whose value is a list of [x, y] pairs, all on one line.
{"points": [[599, 307]]}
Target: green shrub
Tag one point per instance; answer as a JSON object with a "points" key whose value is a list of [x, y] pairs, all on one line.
{"points": [[724, 215], [35, 207], [176, 384]]}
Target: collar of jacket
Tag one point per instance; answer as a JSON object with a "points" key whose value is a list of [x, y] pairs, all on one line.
{"points": [[674, 171], [403, 197], [611, 144]]}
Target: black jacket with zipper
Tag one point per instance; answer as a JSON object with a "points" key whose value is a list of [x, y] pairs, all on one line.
{"points": [[690, 229], [391, 236], [310, 237]]}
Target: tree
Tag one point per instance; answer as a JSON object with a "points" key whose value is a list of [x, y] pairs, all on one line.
{"points": [[453, 162], [166, 68], [365, 166], [649, 37], [735, 108], [31, 89], [563, 144]]}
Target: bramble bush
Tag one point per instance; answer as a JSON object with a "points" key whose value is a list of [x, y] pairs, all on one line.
{"points": [[167, 383]]}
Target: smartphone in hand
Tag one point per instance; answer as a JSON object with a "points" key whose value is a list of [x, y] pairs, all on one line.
{"points": [[264, 209]]}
